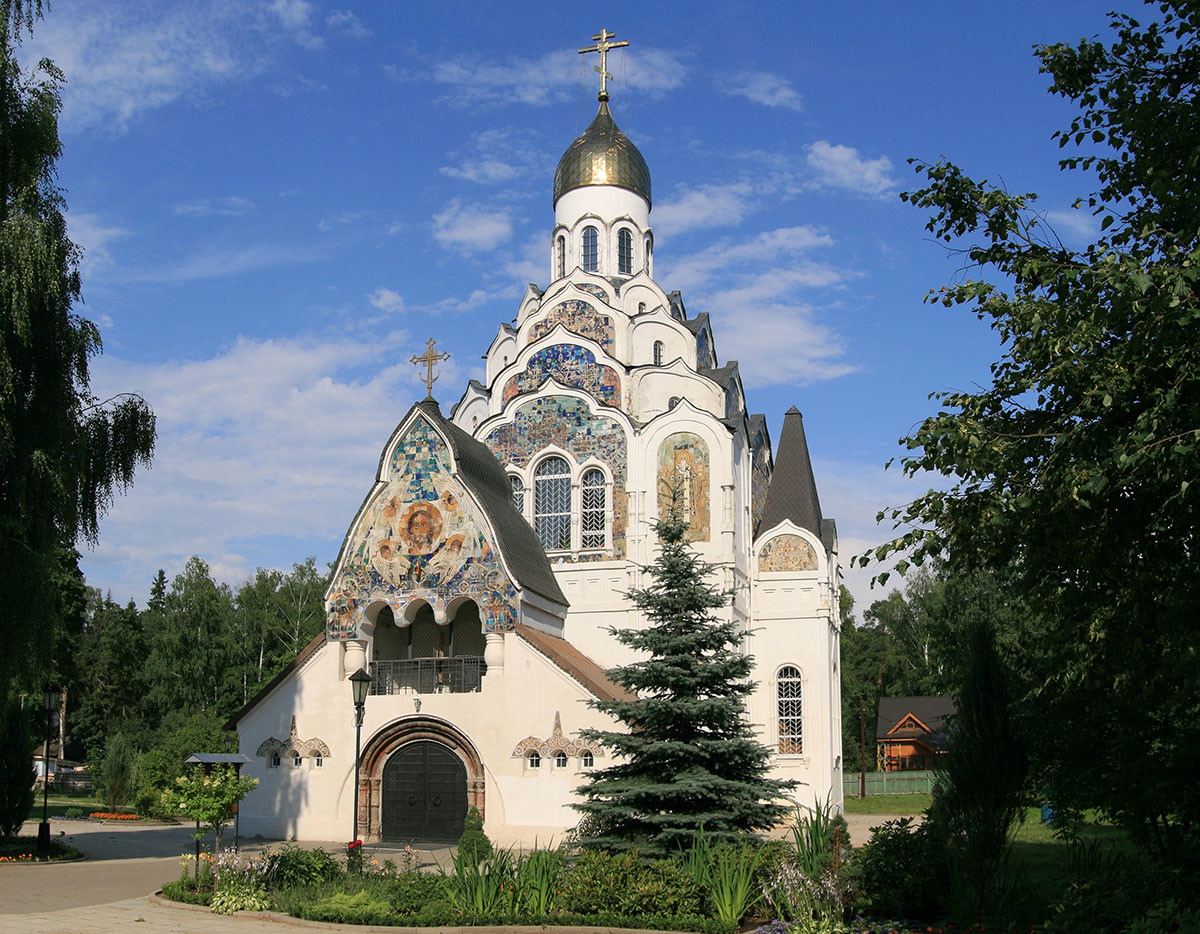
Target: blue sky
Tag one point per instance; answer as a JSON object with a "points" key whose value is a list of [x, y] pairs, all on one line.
{"points": [[280, 201]]}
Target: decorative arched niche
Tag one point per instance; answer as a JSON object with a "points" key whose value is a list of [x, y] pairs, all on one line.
{"points": [[683, 463], [787, 552]]}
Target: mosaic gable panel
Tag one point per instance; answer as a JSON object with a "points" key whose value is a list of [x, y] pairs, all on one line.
{"points": [[421, 536], [580, 318], [592, 290], [704, 357], [760, 478], [572, 366], [683, 462], [787, 553], [569, 424]]}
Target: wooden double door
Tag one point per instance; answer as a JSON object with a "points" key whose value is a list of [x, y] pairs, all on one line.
{"points": [[424, 798]]}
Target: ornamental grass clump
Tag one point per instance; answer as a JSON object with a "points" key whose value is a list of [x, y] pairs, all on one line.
{"points": [[481, 887]]}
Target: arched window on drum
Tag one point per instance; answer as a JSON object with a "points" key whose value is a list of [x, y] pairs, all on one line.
{"points": [[591, 249], [789, 690], [625, 252]]}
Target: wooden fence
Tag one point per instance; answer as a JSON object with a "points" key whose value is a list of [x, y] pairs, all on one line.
{"points": [[889, 783]]}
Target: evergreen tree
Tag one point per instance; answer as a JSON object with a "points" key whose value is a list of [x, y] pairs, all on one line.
{"points": [[112, 684], [18, 740], [689, 758], [63, 452], [158, 592]]}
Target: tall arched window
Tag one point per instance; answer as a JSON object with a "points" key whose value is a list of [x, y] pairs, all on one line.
{"points": [[593, 509], [625, 252], [560, 256], [591, 249], [518, 493], [658, 353], [788, 690], [552, 503]]}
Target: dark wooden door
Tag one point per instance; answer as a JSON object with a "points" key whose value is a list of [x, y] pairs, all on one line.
{"points": [[424, 794]]}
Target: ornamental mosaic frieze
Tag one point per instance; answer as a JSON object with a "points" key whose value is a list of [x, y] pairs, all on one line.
{"points": [[592, 290], [683, 463], [568, 424], [580, 318], [555, 742], [787, 553], [293, 746], [571, 366], [421, 536]]}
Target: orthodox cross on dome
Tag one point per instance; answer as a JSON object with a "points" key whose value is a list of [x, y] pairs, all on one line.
{"points": [[602, 46], [429, 358]]}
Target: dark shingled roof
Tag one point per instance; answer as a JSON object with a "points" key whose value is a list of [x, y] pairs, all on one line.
{"points": [[696, 324], [793, 491], [483, 475], [575, 663], [722, 375], [932, 711]]}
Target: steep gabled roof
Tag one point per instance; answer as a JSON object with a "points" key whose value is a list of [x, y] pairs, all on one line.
{"points": [[793, 491], [575, 663], [931, 711], [483, 475]]}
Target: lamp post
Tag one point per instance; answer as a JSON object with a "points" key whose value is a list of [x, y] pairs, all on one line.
{"points": [[49, 703], [360, 683]]}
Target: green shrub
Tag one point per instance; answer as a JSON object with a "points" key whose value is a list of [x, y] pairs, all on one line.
{"points": [[474, 843], [182, 890], [901, 870], [290, 865], [600, 882], [412, 891], [17, 741], [362, 907], [150, 802], [115, 777], [73, 813]]}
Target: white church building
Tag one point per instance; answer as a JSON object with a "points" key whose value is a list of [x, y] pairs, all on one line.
{"points": [[478, 580]]}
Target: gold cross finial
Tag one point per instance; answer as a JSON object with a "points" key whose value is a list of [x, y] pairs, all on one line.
{"points": [[602, 46], [429, 358]]}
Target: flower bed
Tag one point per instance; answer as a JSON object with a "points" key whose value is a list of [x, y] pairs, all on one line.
{"points": [[24, 850], [109, 815]]}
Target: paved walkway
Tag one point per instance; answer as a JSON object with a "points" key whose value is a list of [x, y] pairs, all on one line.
{"points": [[107, 891]]}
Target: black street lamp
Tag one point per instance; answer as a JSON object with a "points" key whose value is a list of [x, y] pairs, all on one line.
{"points": [[360, 683], [49, 703]]}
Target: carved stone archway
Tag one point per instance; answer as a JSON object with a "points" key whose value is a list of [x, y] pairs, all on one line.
{"points": [[392, 737]]}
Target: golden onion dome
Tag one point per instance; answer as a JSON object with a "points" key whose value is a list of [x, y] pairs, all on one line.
{"points": [[603, 155]]}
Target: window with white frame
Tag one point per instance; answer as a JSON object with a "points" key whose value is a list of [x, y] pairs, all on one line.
{"points": [[518, 493], [658, 353], [560, 760], [789, 700], [625, 252], [587, 759], [552, 503], [534, 759], [593, 504], [591, 249], [560, 256]]}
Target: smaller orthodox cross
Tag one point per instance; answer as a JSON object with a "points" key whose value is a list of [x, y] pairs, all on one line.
{"points": [[602, 46], [429, 358]]}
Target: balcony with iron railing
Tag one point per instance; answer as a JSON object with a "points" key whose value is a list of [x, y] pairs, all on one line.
{"points": [[460, 675]]}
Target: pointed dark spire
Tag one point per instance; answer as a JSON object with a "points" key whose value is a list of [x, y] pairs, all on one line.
{"points": [[793, 491]]}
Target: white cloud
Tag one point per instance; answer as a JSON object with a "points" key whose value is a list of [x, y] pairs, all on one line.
{"points": [[496, 157], [1074, 224], [122, 60], [763, 88], [769, 248], [551, 78], [386, 300], [255, 442], [345, 21], [471, 227], [92, 235], [227, 205], [341, 220], [217, 264], [841, 167], [529, 263], [704, 207]]}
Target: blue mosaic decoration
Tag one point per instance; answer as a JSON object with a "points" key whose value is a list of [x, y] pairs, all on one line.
{"points": [[421, 535], [572, 366], [592, 290], [580, 318], [569, 424], [760, 478], [704, 357]]}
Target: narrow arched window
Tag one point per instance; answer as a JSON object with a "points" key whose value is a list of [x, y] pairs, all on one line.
{"points": [[297, 761], [318, 761], [641, 308], [672, 402], [560, 760], [593, 509], [788, 691], [274, 760], [518, 493], [552, 503], [591, 249], [560, 256], [625, 252], [587, 759], [658, 353], [534, 760]]}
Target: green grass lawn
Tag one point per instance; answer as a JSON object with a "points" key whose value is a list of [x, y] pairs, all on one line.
{"points": [[59, 805], [901, 805]]}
